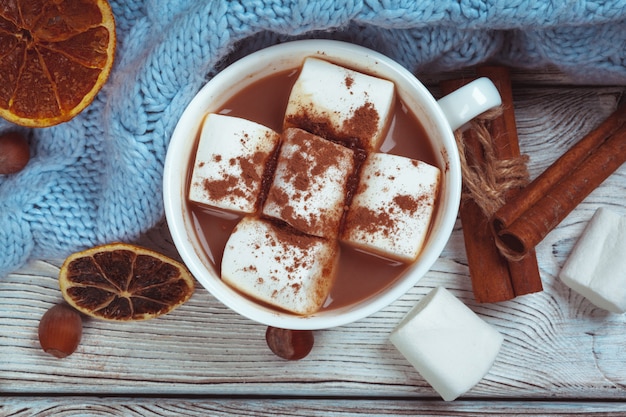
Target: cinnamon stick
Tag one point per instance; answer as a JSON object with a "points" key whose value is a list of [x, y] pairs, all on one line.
{"points": [[571, 186], [524, 274], [537, 189], [494, 278], [488, 269]]}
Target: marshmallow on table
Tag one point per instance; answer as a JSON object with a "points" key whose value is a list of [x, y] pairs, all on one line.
{"points": [[391, 211], [287, 270], [448, 344], [309, 187], [596, 267], [338, 103], [230, 163]]}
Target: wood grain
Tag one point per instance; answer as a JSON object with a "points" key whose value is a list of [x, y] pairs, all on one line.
{"points": [[557, 344], [151, 407]]}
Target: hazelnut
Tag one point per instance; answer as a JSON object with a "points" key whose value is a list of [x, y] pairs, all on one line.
{"points": [[289, 344], [60, 330], [14, 152]]}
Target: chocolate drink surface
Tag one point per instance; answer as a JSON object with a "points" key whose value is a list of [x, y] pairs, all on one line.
{"points": [[359, 275]]}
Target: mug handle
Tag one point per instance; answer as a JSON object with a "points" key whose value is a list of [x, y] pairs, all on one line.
{"points": [[467, 102]]}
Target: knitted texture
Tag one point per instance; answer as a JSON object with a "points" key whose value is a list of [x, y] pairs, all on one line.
{"points": [[97, 178]]}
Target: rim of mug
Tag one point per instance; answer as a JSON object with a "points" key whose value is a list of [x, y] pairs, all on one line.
{"points": [[235, 78]]}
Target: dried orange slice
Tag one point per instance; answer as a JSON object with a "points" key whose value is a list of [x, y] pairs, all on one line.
{"points": [[55, 55], [123, 282]]}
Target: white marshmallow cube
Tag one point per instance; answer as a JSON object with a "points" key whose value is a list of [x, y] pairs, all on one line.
{"points": [[230, 163], [309, 187], [447, 343], [290, 271], [338, 103], [391, 211], [596, 267]]}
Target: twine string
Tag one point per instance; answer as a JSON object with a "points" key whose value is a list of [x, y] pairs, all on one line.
{"points": [[486, 178]]}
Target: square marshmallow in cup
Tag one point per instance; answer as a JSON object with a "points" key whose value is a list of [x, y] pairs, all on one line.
{"points": [[392, 207], [438, 119], [339, 97], [230, 163]]}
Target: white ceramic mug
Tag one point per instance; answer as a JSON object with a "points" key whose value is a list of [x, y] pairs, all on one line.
{"points": [[439, 119]]}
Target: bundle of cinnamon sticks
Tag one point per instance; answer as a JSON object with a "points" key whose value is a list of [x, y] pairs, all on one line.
{"points": [[529, 216], [494, 277], [500, 243]]}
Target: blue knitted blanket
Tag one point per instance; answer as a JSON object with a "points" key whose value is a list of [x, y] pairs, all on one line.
{"points": [[97, 178]]}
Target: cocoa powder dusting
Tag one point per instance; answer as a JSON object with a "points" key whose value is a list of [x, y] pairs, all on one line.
{"points": [[407, 203], [221, 189], [349, 80], [309, 158], [230, 185], [308, 119], [360, 127], [289, 237], [363, 123], [369, 221], [268, 176], [249, 173], [354, 179]]}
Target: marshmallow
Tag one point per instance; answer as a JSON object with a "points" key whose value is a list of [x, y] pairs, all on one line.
{"points": [[338, 103], [449, 345], [392, 208], [596, 267], [290, 271], [309, 187], [230, 163]]}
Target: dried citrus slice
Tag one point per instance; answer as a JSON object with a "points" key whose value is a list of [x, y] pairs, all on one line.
{"points": [[122, 282], [55, 55]]}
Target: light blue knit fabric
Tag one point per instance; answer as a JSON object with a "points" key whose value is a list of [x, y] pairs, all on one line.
{"points": [[98, 177]]}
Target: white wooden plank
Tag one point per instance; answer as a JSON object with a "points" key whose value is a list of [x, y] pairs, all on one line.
{"points": [[161, 407]]}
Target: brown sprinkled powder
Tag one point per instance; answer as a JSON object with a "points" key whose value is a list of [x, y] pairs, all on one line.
{"points": [[306, 157], [406, 203], [360, 127], [221, 189], [290, 237], [229, 186], [279, 196], [369, 221], [363, 123], [249, 173]]}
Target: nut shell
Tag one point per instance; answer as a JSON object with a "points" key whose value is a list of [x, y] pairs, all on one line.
{"points": [[289, 344], [14, 153], [60, 330]]}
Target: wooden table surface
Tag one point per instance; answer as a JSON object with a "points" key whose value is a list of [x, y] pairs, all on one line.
{"points": [[561, 354]]}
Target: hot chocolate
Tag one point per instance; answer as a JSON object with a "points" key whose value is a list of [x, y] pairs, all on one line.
{"points": [[359, 275]]}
